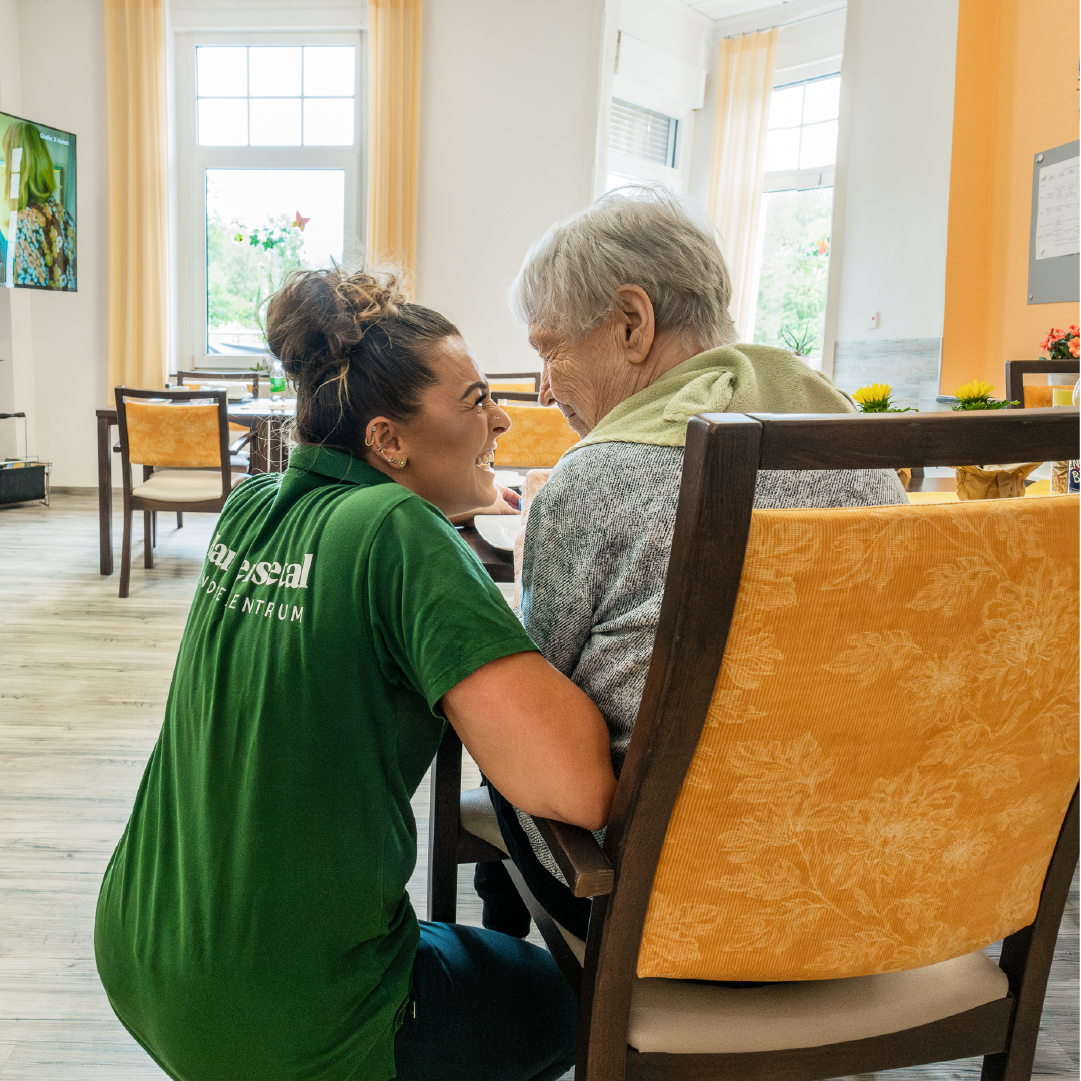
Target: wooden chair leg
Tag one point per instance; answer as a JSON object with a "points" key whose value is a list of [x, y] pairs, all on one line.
{"points": [[148, 539], [443, 814], [179, 519], [125, 551], [154, 529]]}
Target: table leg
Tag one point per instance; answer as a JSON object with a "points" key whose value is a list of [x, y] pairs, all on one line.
{"points": [[105, 496], [257, 452]]}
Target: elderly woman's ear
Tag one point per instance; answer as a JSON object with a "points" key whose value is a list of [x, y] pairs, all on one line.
{"points": [[632, 313]]}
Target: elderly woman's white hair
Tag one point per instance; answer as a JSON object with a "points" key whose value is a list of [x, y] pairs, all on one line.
{"points": [[639, 234]]}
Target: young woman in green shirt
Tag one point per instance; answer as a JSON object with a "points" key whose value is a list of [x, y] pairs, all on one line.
{"points": [[253, 924]]}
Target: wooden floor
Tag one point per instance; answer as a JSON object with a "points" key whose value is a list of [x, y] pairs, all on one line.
{"points": [[83, 679]]}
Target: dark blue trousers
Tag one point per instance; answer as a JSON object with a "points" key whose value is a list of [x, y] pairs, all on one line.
{"points": [[486, 1007]]}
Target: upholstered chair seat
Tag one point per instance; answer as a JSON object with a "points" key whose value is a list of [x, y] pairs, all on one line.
{"points": [[691, 1017], [184, 485]]}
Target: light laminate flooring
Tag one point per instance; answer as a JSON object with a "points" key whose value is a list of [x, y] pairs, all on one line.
{"points": [[83, 680]]}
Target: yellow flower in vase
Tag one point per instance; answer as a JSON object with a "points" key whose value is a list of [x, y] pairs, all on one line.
{"points": [[876, 399], [977, 395]]}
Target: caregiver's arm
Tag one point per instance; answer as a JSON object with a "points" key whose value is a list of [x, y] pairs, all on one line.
{"points": [[537, 737]]}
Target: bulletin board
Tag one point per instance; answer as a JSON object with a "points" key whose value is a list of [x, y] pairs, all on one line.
{"points": [[1054, 262]]}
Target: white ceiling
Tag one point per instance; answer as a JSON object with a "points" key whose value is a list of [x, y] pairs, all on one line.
{"points": [[724, 9]]}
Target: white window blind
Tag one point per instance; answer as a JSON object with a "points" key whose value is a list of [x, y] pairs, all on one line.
{"points": [[642, 133]]}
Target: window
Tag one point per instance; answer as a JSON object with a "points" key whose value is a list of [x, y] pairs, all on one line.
{"points": [[642, 145], [792, 258], [275, 95], [270, 170]]}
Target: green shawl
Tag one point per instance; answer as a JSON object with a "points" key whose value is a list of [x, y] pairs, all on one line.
{"points": [[733, 379]]}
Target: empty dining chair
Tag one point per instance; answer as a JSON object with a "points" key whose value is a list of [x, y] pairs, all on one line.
{"points": [[241, 436], [537, 437], [1038, 396], [519, 382], [182, 443]]}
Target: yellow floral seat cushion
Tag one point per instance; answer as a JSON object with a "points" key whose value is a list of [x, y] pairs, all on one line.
{"points": [[538, 436], [890, 749], [180, 436]]}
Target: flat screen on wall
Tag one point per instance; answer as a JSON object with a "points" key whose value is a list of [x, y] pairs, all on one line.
{"points": [[37, 206]]}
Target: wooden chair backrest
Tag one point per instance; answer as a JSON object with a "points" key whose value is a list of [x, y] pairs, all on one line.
{"points": [[170, 433], [1016, 370], [697, 729], [538, 436], [1041, 397], [524, 382], [249, 378], [890, 748]]}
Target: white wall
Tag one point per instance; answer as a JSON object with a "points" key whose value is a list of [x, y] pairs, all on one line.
{"points": [[893, 169], [660, 63], [508, 130], [59, 339], [16, 339]]}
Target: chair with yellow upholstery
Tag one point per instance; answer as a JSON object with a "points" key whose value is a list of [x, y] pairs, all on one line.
{"points": [[854, 768], [537, 438], [1037, 397], [513, 382], [240, 435], [182, 443]]}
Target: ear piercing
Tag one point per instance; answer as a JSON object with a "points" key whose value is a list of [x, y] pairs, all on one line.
{"points": [[382, 454]]}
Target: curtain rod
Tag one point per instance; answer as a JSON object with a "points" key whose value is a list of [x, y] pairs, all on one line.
{"points": [[794, 22]]}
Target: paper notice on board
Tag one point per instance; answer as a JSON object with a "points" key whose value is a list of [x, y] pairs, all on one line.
{"points": [[1058, 213]]}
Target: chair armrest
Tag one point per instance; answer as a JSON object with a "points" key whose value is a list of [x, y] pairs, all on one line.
{"points": [[579, 857]]}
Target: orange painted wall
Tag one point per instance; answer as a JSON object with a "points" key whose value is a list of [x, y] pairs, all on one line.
{"points": [[1016, 94]]}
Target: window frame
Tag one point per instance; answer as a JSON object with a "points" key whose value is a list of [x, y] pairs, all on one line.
{"points": [[823, 176], [194, 160]]}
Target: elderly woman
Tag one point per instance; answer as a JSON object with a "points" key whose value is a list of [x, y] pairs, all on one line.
{"points": [[627, 306]]}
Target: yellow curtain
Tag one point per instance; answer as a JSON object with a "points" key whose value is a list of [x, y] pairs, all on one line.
{"points": [[394, 33], [138, 204], [744, 84]]}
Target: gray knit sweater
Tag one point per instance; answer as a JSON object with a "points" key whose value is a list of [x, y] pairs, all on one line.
{"points": [[596, 554]]}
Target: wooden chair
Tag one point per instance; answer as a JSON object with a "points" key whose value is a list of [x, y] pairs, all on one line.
{"points": [[251, 378], [537, 438], [188, 445], [854, 766], [1035, 397], [240, 436], [521, 382], [514, 386]]}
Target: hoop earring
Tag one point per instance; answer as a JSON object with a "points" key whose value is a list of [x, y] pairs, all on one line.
{"points": [[382, 454], [369, 442]]}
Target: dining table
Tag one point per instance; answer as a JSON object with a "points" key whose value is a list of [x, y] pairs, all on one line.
{"points": [[269, 454]]}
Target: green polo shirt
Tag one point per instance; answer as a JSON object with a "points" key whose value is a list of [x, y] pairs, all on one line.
{"points": [[253, 924]]}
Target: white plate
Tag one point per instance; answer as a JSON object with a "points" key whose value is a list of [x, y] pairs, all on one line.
{"points": [[509, 478], [499, 530]]}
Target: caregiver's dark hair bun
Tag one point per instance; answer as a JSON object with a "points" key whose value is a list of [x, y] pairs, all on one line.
{"points": [[354, 348]]}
